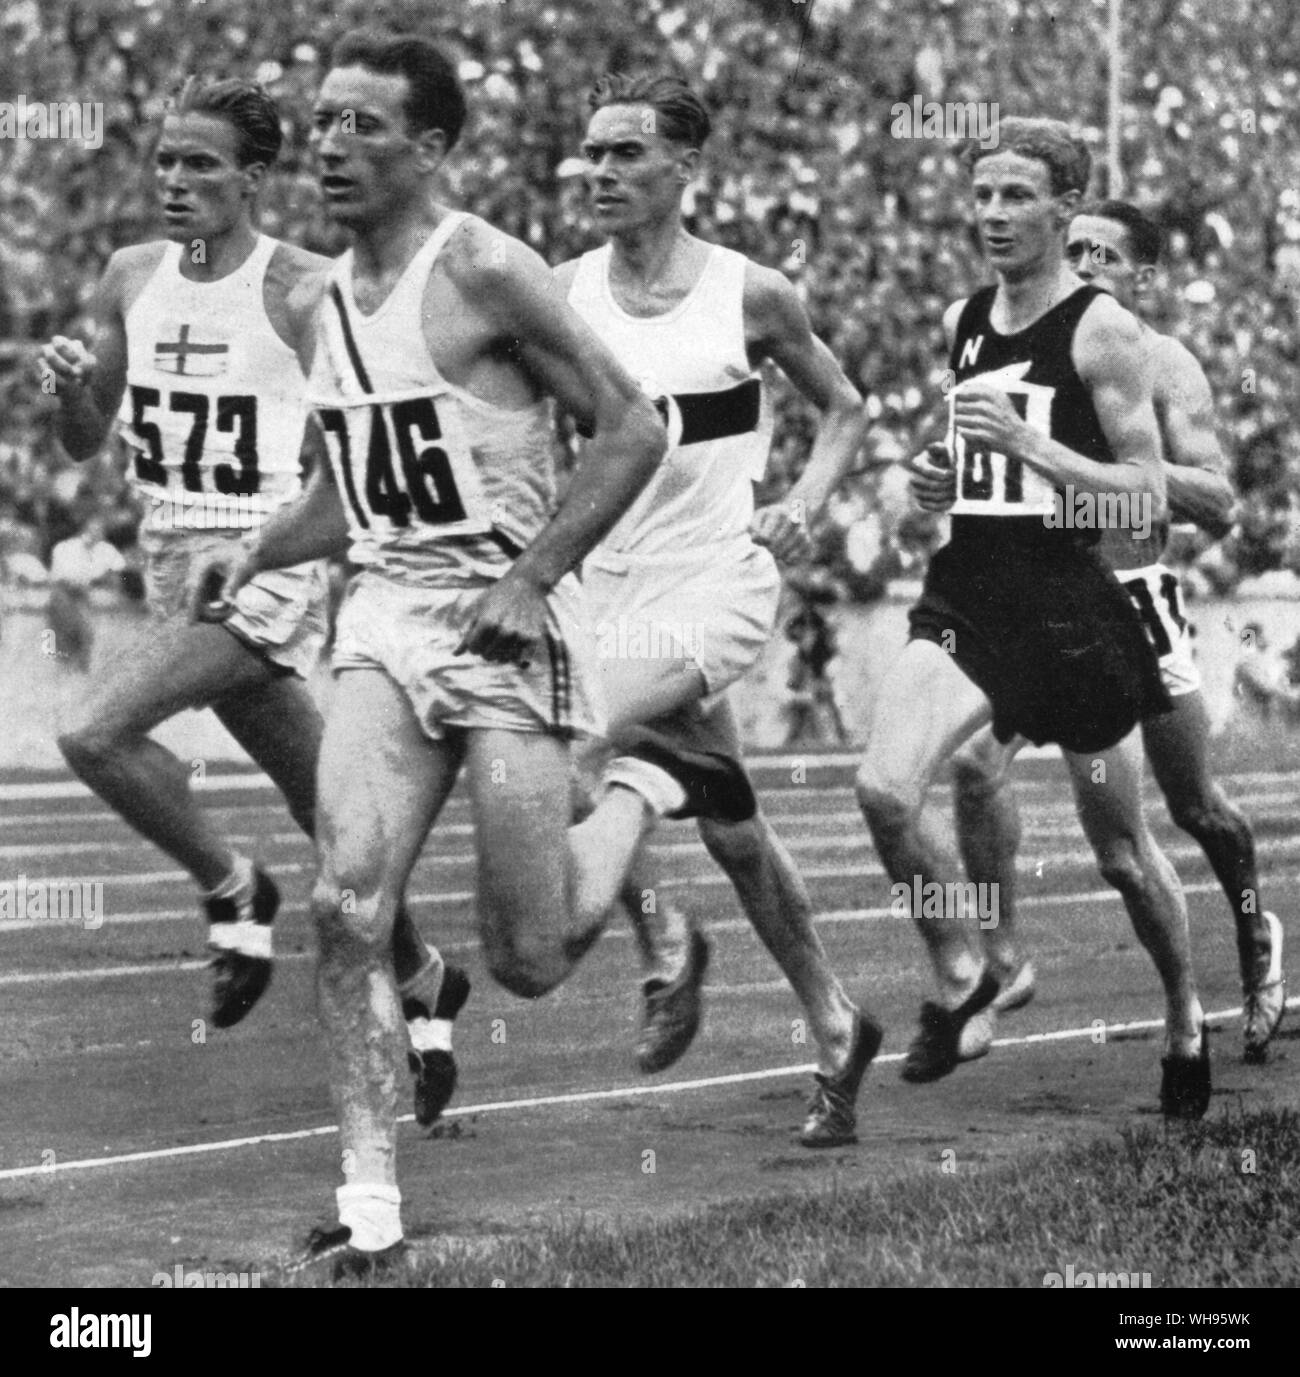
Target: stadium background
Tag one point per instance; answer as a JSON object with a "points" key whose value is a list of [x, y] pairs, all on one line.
{"points": [[802, 173]]}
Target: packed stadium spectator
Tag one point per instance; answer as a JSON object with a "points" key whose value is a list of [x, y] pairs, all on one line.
{"points": [[804, 174]]}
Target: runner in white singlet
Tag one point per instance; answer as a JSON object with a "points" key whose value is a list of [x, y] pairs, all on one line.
{"points": [[461, 643], [684, 589], [201, 345]]}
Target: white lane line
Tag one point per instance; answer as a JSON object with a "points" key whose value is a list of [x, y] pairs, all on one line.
{"points": [[1030, 867], [576, 1097], [1277, 788], [847, 832], [253, 780], [613, 934]]}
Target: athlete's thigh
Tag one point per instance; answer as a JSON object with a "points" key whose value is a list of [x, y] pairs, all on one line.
{"points": [[988, 757], [1178, 747], [924, 709], [1108, 790], [161, 667], [712, 726], [519, 788], [381, 783], [277, 716], [641, 690]]}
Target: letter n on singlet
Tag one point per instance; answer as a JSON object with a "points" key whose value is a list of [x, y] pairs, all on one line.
{"points": [[970, 351]]}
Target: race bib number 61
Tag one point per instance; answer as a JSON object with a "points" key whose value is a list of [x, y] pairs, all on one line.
{"points": [[990, 483]]}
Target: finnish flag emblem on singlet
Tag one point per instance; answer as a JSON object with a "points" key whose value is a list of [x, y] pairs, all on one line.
{"points": [[181, 351], [989, 483]]}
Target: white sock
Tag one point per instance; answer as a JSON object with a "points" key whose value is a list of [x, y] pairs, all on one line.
{"points": [[659, 789], [426, 984], [239, 884], [666, 936], [1179, 1046], [430, 1034], [958, 984], [373, 1212]]}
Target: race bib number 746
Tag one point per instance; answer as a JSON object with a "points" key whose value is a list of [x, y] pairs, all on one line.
{"points": [[398, 468]]}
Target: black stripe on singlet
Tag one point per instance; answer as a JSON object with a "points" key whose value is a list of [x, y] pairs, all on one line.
{"points": [[711, 415], [716, 415], [349, 339]]}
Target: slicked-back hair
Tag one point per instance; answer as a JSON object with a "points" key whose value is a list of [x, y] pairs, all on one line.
{"points": [[1144, 236], [245, 106], [434, 98], [680, 115], [1069, 164]]}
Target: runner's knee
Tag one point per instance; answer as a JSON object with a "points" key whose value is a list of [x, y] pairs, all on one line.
{"points": [[735, 845], [974, 778], [1119, 861], [889, 804], [525, 966], [351, 911], [1202, 816], [88, 741]]}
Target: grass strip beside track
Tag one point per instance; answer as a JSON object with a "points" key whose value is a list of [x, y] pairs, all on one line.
{"points": [[1196, 1205]]}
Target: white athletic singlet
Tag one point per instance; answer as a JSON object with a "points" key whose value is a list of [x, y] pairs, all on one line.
{"points": [[214, 406], [440, 487], [718, 412]]}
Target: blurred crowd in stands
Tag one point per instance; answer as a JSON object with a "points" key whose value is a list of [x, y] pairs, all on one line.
{"points": [[802, 173]]}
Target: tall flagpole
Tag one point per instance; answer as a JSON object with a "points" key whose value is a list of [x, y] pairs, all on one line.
{"points": [[1114, 85]]}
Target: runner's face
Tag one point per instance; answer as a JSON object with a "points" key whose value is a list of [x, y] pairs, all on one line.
{"points": [[1098, 251], [1019, 219], [368, 166], [634, 175], [203, 193]]}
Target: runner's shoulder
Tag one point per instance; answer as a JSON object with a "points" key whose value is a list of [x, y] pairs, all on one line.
{"points": [[478, 257], [129, 268], [565, 273], [772, 305], [292, 263], [294, 285], [950, 318], [768, 290], [1109, 338], [1178, 371]]}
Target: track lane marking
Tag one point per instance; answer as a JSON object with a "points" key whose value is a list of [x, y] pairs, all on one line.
{"points": [[621, 933], [1284, 791], [1279, 850], [574, 1097], [254, 780]]}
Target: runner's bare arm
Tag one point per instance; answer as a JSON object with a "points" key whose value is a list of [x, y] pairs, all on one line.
{"points": [[1196, 468], [781, 332], [933, 480], [296, 282], [566, 357], [519, 295], [312, 526], [89, 383], [1111, 359]]}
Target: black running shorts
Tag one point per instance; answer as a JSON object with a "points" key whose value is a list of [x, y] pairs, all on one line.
{"points": [[1045, 630]]}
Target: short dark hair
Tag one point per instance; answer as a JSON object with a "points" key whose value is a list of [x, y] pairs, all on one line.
{"points": [[434, 98], [245, 106], [680, 114], [1144, 236], [1069, 164]]}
